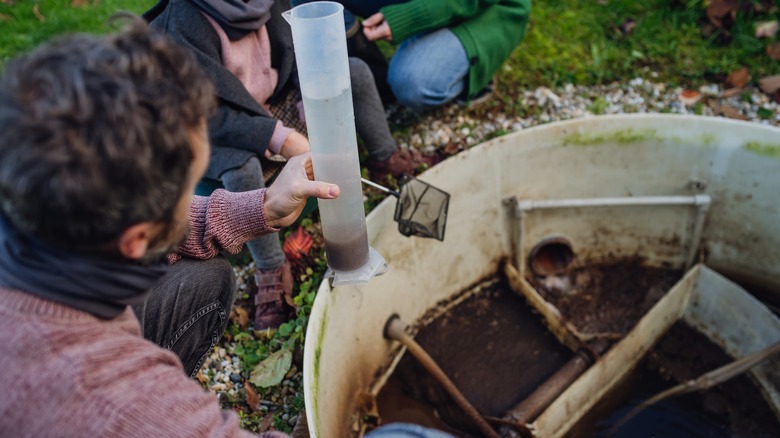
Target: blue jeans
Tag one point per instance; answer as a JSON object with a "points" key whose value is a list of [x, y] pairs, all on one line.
{"points": [[187, 310], [406, 430], [429, 70]]}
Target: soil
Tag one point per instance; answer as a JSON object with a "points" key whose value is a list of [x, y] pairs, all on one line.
{"points": [[497, 351], [731, 409], [347, 255], [494, 349], [608, 298]]}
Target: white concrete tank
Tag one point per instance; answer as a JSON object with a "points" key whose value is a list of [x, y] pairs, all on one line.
{"points": [[692, 192]]}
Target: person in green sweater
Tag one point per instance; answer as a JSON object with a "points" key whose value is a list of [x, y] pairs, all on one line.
{"points": [[449, 49]]}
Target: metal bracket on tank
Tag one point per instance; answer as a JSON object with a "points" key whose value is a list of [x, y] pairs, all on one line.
{"points": [[521, 208]]}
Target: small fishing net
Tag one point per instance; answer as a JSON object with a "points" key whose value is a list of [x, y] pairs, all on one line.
{"points": [[422, 209]]}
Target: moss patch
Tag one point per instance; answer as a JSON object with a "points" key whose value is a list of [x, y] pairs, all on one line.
{"points": [[765, 149], [316, 383], [625, 136], [708, 140]]}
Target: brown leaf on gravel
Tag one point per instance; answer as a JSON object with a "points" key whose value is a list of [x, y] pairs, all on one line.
{"points": [[689, 97], [451, 148], [773, 51], [202, 378], [240, 316], [267, 423], [732, 113], [726, 110], [730, 92], [252, 399], [738, 78], [769, 84]]}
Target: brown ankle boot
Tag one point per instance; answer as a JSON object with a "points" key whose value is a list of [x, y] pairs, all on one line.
{"points": [[274, 300], [403, 161]]}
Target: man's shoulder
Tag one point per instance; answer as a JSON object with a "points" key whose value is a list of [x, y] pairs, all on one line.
{"points": [[60, 370], [83, 374]]}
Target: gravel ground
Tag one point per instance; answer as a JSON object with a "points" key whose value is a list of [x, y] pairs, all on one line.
{"points": [[453, 128]]}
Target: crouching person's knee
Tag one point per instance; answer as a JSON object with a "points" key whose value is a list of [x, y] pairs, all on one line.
{"points": [[418, 93]]}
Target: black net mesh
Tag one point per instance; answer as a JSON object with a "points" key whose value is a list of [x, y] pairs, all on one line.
{"points": [[421, 209]]}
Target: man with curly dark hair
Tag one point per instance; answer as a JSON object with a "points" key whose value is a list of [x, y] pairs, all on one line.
{"points": [[102, 141]]}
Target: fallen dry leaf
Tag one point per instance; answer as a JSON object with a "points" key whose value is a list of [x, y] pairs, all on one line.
{"points": [[240, 316], [738, 78], [769, 84], [38, 14], [452, 148], [722, 13], [297, 244], [689, 97], [773, 51], [731, 92], [726, 110], [267, 423], [252, 399], [767, 29], [202, 378]]}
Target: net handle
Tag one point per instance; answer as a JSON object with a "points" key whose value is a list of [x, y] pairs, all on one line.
{"points": [[382, 188]]}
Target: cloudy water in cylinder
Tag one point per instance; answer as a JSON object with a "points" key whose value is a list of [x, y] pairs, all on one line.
{"points": [[333, 142]]}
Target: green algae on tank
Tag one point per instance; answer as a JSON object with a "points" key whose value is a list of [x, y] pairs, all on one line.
{"points": [[765, 149], [625, 136]]}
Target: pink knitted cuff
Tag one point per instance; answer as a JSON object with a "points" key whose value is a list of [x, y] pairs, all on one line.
{"points": [[279, 136], [241, 218], [223, 221]]}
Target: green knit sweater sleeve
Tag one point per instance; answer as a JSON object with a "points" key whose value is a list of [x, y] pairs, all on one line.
{"points": [[415, 16]]}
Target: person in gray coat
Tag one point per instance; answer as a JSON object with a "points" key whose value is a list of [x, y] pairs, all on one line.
{"points": [[245, 48]]}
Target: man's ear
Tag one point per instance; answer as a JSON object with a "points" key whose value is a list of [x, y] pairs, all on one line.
{"points": [[134, 241]]}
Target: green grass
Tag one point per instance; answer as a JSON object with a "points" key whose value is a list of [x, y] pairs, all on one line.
{"points": [[568, 41], [21, 29], [580, 42]]}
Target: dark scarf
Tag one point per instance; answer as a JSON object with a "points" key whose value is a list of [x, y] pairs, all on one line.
{"points": [[86, 282], [237, 17]]}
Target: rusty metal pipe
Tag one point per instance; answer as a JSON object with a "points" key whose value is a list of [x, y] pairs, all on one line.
{"points": [[395, 329], [530, 408]]}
